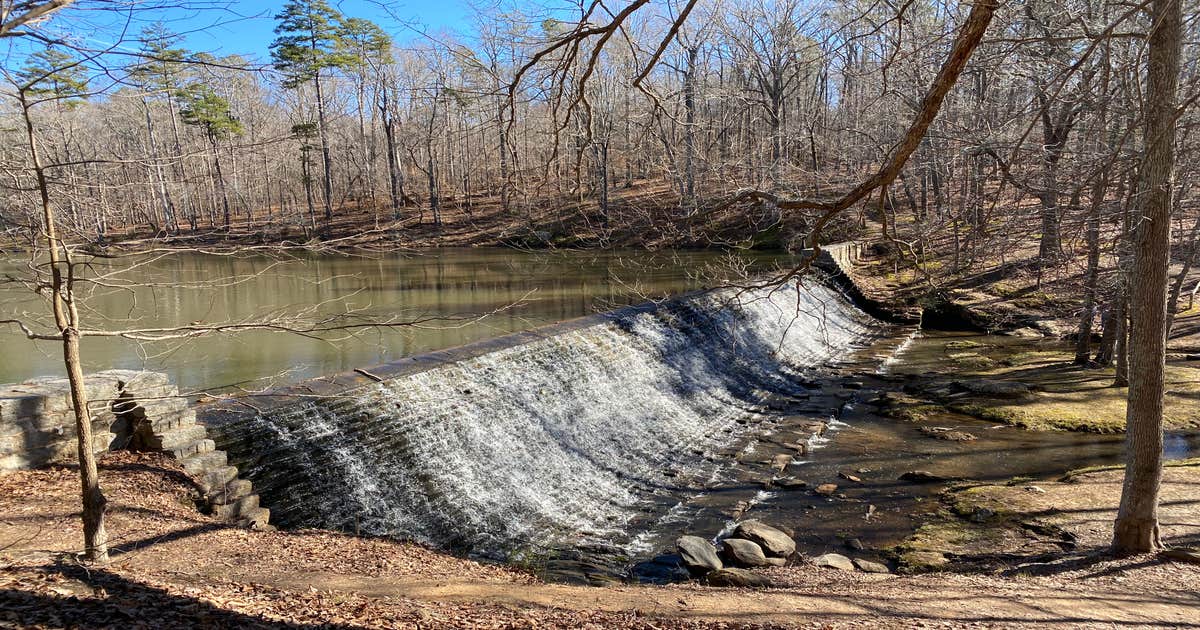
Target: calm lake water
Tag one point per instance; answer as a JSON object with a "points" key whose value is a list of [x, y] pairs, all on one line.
{"points": [[450, 288]]}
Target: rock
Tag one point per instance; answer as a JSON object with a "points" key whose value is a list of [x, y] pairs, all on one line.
{"points": [[774, 542], [848, 477], [780, 462], [992, 387], [698, 555], [946, 433], [1034, 489], [868, 566], [740, 552], [737, 578], [923, 560], [1026, 331], [827, 489], [791, 483], [922, 476], [981, 515], [853, 385], [663, 569], [1182, 555], [854, 544], [834, 561]]}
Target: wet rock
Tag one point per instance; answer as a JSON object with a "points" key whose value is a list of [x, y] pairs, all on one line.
{"points": [[922, 476], [869, 566], [854, 544], [848, 477], [774, 542], [780, 462], [698, 555], [826, 489], [738, 578], [834, 561], [791, 483], [740, 552], [1025, 331], [946, 433], [853, 385], [663, 569]]}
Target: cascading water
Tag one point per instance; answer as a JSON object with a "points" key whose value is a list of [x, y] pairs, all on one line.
{"points": [[578, 439]]}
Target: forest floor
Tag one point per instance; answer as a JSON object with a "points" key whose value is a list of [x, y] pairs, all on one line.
{"points": [[645, 214], [173, 567]]}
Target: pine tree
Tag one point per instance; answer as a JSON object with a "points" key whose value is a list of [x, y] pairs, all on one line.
{"points": [[309, 42], [205, 109]]}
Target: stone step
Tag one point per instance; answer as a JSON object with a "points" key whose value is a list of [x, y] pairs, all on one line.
{"points": [[194, 447], [258, 518], [175, 438], [205, 462], [231, 491], [236, 508], [174, 420], [216, 478]]}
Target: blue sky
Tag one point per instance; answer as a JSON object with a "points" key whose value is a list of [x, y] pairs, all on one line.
{"points": [[249, 29], [244, 27]]}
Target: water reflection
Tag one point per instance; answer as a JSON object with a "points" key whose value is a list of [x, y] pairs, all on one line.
{"points": [[447, 289]]}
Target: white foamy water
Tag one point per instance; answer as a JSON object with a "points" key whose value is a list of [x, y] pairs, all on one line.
{"points": [[561, 441]]}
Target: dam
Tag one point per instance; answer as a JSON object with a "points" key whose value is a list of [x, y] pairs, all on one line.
{"points": [[588, 434]]}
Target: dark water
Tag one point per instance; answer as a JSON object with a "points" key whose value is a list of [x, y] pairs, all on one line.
{"points": [[447, 291], [880, 510]]}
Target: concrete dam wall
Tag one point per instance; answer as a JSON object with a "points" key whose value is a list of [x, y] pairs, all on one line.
{"points": [[574, 434]]}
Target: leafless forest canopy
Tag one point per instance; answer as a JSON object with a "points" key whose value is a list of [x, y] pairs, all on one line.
{"points": [[1038, 140]]}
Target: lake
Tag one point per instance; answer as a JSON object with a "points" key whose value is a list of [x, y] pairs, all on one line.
{"points": [[458, 295]]}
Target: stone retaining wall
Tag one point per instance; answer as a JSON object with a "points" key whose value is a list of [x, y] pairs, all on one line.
{"points": [[141, 411]]}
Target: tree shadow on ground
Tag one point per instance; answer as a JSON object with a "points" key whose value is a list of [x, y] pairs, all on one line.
{"points": [[118, 602]]}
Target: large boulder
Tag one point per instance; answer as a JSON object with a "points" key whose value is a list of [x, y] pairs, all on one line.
{"points": [[698, 555], [870, 566], [834, 561], [737, 578], [740, 552], [773, 542]]}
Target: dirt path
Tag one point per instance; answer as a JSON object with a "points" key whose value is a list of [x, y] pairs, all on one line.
{"points": [[172, 567]]}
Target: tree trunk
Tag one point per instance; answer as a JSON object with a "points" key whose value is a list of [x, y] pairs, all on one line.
{"points": [[66, 318], [1136, 528]]}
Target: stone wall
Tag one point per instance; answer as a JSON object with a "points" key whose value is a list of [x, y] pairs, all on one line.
{"points": [[141, 411], [37, 422]]}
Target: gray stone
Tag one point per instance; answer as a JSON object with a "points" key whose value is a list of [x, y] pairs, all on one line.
{"points": [[738, 578], [740, 552], [774, 542], [869, 566], [699, 556], [834, 561], [922, 476]]}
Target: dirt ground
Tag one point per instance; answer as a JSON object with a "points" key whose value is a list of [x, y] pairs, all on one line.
{"points": [[174, 567]]}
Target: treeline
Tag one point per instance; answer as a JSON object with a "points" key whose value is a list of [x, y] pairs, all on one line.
{"points": [[783, 96]]}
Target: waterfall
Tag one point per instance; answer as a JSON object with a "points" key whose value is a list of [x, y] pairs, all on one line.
{"points": [[572, 438]]}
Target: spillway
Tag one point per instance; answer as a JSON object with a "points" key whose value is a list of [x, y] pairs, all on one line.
{"points": [[575, 435]]}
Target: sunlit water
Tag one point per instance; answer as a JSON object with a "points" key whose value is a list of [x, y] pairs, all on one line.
{"points": [[447, 290]]}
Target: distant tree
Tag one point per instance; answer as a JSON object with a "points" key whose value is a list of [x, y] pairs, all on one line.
{"points": [[310, 42], [204, 109]]}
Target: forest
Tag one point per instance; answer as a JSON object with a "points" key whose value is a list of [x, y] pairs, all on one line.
{"points": [[1013, 180]]}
